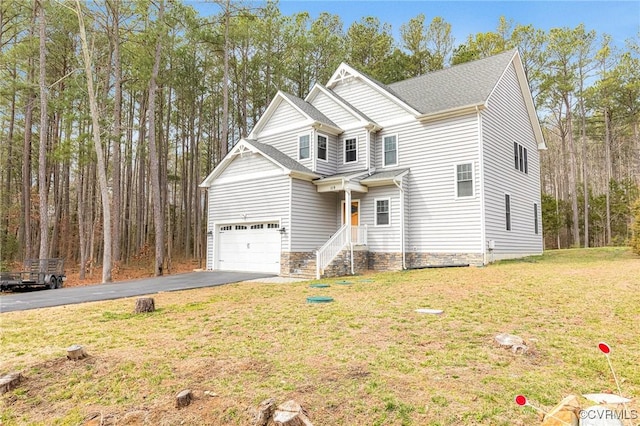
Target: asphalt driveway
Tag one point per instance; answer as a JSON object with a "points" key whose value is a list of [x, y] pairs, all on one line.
{"points": [[24, 300]]}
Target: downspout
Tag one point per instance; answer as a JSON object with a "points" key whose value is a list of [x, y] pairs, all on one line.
{"points": [[402, 243], [368, 137], [483, 231]]}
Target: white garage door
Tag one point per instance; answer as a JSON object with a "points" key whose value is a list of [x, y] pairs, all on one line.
{"points": [[251, 247]]}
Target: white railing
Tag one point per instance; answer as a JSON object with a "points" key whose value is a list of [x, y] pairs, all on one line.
{"points": [[359, 235], [337, 243]]}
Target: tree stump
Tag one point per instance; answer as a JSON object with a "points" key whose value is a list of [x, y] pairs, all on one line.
{"points": [[76, 352], [184, 398], [265, 411], [291, 413], [144, 304], [10, 381]]}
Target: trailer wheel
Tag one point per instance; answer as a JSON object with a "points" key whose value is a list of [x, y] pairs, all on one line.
{"points": [[59, 283], [53, 283]]}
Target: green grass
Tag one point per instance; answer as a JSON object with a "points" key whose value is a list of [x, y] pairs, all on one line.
{"points": [[366, 358]]}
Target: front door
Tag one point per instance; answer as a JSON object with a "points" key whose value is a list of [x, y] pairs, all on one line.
{"points": [[355, 213]]}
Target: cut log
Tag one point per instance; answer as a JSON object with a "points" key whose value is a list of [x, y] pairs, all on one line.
{"points": [[265, 411], [291, 413], [145, 304], [76, 352], [10, 381], [184, 398]]}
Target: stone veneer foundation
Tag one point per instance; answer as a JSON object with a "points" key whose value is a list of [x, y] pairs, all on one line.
{"points": [[417, 260], [298, 264], [303, 264]]}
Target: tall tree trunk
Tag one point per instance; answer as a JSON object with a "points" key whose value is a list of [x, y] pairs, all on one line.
{"points": [[224, 138], [114, 6], [43, 186], [572, 176], [102, 171], [154, 172], [26, 152]]}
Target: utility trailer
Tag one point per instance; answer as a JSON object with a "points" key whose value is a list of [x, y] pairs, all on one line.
{"points": [[47, 273]]}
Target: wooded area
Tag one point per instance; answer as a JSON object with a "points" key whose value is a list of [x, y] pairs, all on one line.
{"points": [[113, 112]]}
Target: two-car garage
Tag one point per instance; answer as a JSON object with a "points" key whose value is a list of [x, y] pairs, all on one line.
{"points": [[251, 247]]}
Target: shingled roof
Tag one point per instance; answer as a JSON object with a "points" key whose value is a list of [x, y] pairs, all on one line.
{"points": [[459, 86], [279, 157]]}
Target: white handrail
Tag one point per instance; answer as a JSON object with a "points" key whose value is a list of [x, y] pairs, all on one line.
{"points": [[337, 243]]}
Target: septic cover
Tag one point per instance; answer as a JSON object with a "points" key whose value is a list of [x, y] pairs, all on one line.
{"points": [[319, 299], [319, 285]]}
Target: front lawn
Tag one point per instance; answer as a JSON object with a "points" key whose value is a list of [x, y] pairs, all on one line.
{"points": [[368, 358]]}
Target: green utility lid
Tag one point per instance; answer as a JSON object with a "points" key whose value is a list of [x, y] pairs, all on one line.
{"points": [[319, 299]]}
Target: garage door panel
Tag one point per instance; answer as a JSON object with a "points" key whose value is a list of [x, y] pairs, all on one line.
{"points": [[252, 247]]}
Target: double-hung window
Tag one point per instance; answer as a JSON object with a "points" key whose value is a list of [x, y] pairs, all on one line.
{"points": [[464, 180], [390, 150], [322, 147], [507, 211], [383, 213], [303, 147], [520, 160], [350, 150]]}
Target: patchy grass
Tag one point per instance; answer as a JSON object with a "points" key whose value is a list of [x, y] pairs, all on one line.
{"points": [[366, 359]]}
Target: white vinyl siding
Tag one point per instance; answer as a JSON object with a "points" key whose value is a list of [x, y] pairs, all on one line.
{"points": [[361, 138], [504, 122], [334, 111], [313, 219], [247, 165], [283, 116], [287, 143], [248, 201], [438, 221], [328, 166], [384, 238], [370, 101]]}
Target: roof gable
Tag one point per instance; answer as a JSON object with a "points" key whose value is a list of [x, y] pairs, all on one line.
{"points": [[275, 157], [345, 74], [286, 110], [340, 110]]}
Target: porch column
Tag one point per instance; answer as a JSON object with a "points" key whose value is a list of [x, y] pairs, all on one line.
{"points": [[347, 212]]}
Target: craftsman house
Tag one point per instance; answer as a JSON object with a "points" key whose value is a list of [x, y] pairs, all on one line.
{"points": [[441, 169]]}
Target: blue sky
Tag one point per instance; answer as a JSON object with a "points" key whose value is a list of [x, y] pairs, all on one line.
{"points": [[620, 19]]}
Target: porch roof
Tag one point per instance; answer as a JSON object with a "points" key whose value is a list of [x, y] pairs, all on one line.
{"points": [[358, 181]]}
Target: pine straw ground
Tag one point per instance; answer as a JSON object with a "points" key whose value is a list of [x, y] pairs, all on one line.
{"points": [[366, 359]]}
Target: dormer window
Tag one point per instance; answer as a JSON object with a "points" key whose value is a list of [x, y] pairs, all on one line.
{"points": [[303, 147], [390, 151], [322, 147], [350, 150]]}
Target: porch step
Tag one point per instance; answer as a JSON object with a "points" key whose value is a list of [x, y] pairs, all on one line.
{"points": [[340, 266]]}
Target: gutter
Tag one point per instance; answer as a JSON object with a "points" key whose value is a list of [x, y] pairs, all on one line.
{"points": [[452, 112]]}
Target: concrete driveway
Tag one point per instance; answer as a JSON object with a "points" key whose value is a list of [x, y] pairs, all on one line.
{"points": [[35, 299]]}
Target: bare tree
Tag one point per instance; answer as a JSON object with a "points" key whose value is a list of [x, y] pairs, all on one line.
{"points": [[102, 171], [154, 166], [43, 186]]}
